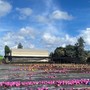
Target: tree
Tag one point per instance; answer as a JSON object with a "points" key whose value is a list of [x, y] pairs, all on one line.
{"points": [[70, 51], [80, 52], [74, 52], [20, 46], [51, 55], [88, 60], [59, 51], [7, 50]]}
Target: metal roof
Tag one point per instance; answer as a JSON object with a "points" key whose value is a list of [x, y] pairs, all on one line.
{"points": [[29, 52]]}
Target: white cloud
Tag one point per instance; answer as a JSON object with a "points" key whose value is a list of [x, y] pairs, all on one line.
{"points": [[61, 15], [52, 29], [52, 13], [24, 12], [86, 35], [69, 40], [42, 19], [24, 35], [21, 35], [53, 37], [52, 40], [27, 32], [47, 17], [5, 8], [49, 39]]}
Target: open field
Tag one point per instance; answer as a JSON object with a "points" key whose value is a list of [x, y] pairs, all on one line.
{"points": [[44, 77], [1, 57]]}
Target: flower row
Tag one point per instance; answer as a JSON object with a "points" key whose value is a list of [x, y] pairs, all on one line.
{"points": [[63, 89], [51, 82]]}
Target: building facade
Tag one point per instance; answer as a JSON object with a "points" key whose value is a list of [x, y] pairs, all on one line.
{"points": [[28, 55]]}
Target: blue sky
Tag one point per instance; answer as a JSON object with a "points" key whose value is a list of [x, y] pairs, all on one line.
{"points": [[44, 24]]}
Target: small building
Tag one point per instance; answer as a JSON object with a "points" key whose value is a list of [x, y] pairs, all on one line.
{"points": [[29, 55]]}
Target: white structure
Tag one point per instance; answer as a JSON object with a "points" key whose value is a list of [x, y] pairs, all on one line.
{"points": [[29, 55], [29, 52]]}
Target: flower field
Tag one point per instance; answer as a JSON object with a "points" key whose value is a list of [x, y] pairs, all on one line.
{"points": [[44, 77]]}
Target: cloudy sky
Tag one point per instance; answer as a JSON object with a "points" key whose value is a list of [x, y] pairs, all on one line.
{"points": [[44, 24]]}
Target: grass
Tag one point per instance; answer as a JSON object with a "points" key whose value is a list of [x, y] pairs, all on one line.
{"points": [[1, 57]]}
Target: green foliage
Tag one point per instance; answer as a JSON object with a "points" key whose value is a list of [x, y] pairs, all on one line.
{"points": [[59, 51], [80, 43], [7, 50], [88, 60], [20, 46], [51, 54], [80, 52], [72, 51], [1, 57]]}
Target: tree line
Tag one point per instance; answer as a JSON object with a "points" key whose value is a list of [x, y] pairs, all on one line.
{"points": [[71, 53]]}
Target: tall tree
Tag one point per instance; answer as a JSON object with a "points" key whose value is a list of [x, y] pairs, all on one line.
{"points": [[7, 50], [80, 52], [20, 46]]}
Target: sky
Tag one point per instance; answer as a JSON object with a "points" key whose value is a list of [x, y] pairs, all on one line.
{"points": [[44, 24]]}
